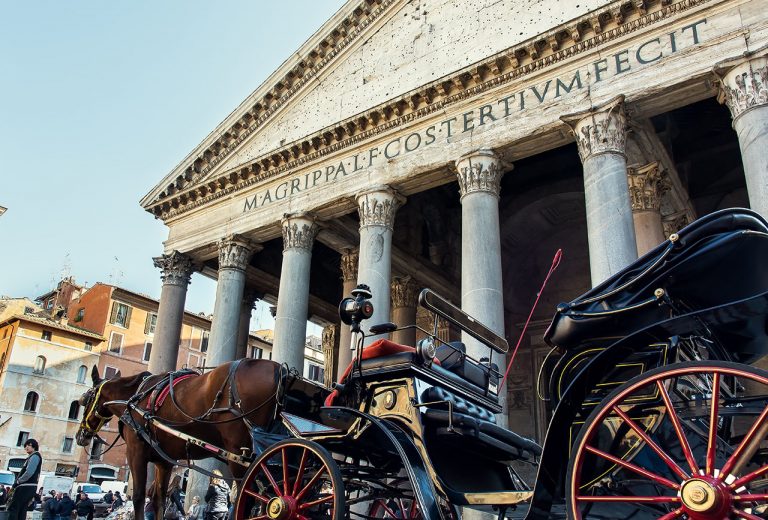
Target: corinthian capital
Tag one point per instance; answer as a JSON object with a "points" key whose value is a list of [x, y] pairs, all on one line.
{"points": [[404, 292], [647, 185], [299, 231], [175, 268], [377, 207], [349, 261], [235, 252], [479, 171], [601, 129], [743, 82]]}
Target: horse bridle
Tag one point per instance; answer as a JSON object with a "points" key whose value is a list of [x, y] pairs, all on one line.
{"points": [[93, 412]]}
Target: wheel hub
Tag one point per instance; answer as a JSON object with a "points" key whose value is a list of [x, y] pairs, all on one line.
{"points": [[704, 497], [281, 508]]}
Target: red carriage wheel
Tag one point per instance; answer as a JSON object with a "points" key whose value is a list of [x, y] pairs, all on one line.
{"points": [[685, 441], [395, 508], [294, 479]]}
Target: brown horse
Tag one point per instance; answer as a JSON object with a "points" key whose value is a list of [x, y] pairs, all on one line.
{"points": [[258, 384]]}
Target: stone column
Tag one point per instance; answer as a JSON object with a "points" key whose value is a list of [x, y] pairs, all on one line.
{"points": [[176, 272], [330, 353], [405, 294], [646, 187], [349, 262], [744, 88], [250, 297], [601, 137], [234, 255], [377, 208], [299, 232]]}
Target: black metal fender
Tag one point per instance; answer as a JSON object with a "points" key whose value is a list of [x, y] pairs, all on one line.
{"points": [[739, 317], [423, 487]]}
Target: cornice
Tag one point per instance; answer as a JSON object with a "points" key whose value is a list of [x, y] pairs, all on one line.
{"points": [[545, 50]]}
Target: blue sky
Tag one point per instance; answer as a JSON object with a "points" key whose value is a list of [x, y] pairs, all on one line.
{"points": [[100, 100]]}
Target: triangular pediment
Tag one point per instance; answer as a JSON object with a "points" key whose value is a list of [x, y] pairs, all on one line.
{"points": [[370, 54]]}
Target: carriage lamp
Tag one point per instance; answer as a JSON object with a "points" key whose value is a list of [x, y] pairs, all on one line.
{"points": [[357, 308], [426, 350]]}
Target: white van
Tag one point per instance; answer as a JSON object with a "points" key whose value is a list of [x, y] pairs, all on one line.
{"points": [[7, 478], [49, 481], [115, 485], [94, 491]]}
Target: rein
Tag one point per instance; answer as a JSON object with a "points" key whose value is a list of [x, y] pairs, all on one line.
{"points": [[95, 413]]}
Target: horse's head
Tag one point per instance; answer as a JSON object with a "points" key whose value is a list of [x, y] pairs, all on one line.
{"points": [[96, 413]]}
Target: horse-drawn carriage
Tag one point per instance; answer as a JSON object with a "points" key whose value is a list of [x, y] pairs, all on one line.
{"points": [[656, 409]]}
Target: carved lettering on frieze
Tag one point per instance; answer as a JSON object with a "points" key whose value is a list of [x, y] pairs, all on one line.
{"points": [[647, 185], [175, 268], [299, 232], [603, 129], [235, 252]]}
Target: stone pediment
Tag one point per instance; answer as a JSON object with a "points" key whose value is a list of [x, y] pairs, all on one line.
{"points": [[373, 64]]}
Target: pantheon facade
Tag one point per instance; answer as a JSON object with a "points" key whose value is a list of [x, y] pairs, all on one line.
{"points": [[458, 145]]}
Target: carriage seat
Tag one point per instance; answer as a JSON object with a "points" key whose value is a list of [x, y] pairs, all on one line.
{"points": [[486, 432], [436, 394]]}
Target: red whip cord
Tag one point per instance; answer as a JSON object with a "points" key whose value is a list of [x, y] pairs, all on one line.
{"points": [[555, 263]]}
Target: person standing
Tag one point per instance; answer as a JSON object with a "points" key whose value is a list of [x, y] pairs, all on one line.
{"points": [[26, 482], [117, 502], [217, 497], [174, 496], [51, 506], [194, 509], [66, 506], [84, 507], [3, 495]]}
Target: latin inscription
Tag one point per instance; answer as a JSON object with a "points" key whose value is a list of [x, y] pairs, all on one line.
{"points": [[502, 109]]}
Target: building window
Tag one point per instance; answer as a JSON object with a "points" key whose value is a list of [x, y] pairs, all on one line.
{"points": [[193, 360], [150, 324], [121, 314], [257, 353], [89, 345], [147, 351], [80, 314], [47, 335], [110, 372], [316, 373], [67, 446], [97, 449], [30, 403], [74, 410], [49, 304], [22, 438], [40, 365], [204, 341], [115, 342], [82, 372]]}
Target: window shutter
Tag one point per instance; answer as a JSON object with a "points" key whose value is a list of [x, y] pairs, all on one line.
{"points": [[147, 322], [113, 314], [128, 316]]}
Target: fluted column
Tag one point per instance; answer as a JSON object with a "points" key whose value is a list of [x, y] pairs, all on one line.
{"points": [[176, 272], [377, 208], [601, 138], [234, 254], [349, 261], [405, 293], [250, 297], [646, 187], [299, 232], [330, 351], [744, 89]]}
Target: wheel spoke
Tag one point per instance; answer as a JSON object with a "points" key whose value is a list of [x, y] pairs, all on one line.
{"points": [[300, 473], [757, 497], [255, 495], [749, 477], [387, 509], [678, 428], [414, 511], [672, 514], [266, 471], [285, 470], [745, 515], [655, 447], [749, 439], [714, 411], [619, 498], [637, 469], [326, 498], [312, 481]]}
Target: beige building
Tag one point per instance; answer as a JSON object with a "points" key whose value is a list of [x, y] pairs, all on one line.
{"points": [[457, 146], [44, 368]]}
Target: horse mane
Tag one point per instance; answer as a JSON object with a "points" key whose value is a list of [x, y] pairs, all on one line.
{"points": [[129, 381]]}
